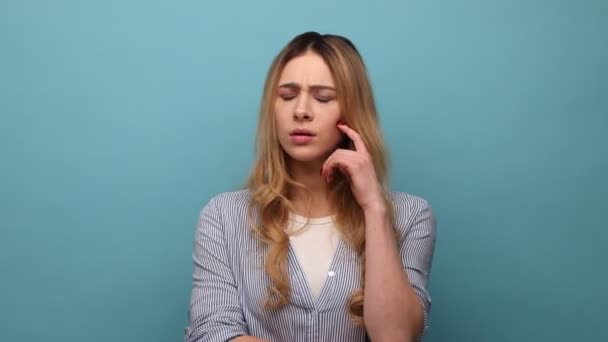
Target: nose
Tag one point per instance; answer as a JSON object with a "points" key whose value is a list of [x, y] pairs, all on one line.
{"points": [[302, 111]]}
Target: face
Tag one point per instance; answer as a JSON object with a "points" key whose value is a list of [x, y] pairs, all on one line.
{"points": [[307, 110]]}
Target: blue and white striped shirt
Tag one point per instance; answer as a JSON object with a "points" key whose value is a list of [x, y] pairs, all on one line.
{"points": [[230, 285]]}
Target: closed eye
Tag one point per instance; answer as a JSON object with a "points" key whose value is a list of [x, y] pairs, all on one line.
{"points": [[287, 97]]}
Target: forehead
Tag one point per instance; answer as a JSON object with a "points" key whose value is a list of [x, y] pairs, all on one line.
{"points": [[307, 69]]}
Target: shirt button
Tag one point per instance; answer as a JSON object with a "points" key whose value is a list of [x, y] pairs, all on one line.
{"points": [[331, 273]]}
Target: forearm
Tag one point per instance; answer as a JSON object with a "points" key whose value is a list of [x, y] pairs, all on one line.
{"points": [[392, 310]]}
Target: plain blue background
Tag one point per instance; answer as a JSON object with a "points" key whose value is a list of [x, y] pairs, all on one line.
{"points": [[120, 119]]}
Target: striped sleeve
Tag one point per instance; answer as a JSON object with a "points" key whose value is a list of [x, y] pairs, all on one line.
{"points": [[417, 248], [215, 313]]}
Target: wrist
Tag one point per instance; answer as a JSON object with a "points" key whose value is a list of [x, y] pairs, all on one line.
{"points": [[376, 209]]}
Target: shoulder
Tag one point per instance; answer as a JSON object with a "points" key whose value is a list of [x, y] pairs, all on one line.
{"points": [[229, 207], [225, 213], [406, 204], [230, 201], [411, 210]]}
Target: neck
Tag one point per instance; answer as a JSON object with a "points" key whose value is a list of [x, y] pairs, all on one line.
{"points": [[309, 175]]}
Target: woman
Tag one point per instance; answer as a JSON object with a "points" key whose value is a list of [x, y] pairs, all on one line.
{"points": [[316, 248]]}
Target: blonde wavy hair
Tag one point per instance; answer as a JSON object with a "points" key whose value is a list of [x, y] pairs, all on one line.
{"points": [[270, 181]]}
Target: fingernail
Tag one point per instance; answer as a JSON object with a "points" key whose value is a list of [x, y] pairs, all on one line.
{"points": [[340, 123]]}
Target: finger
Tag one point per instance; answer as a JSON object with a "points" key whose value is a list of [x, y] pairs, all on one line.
{"points": [[343, 161], [339, 153], [341, 166], [354, 136], [345, 171]]}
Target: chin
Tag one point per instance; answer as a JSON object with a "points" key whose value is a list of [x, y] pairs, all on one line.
{"points": [[305, 155]]}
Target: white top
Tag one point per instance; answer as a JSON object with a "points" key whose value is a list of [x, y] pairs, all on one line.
{"points": [[314, 244]]}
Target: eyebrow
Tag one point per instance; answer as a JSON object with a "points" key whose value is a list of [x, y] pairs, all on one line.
{"points": [[313, 87]]}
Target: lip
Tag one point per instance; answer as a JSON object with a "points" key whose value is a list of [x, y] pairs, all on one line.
{"points": [[301, 131], [301, 136], [301, 139]]}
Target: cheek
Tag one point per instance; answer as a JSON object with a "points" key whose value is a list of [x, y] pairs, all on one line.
{"points": [[330, 116], [337, 138], [280, 112], [332, 135]]}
